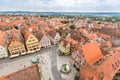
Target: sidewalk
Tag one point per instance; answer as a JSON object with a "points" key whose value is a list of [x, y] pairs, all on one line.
{"points": [[46, 67], [62, 60]]}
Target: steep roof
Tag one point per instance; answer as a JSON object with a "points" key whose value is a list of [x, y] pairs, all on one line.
{"points": [[52, 33], [29, 73], [64, 42], [90, 72], [2, 78], [3, 36], [33, 26], [39, 34], [76, 35], [111, 64], [26, 34], [46, 28], [16, 35], [92, 52]]}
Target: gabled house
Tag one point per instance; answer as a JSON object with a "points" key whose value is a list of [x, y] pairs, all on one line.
{"points": [[63, 33], [54, 36], [43, 38], [78, 36], [16, 46], [3, 45], [31, 41], [64, 47]]}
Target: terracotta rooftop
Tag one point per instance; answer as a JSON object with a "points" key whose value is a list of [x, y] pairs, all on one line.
{"points": [[92, 52], [52, 33], [109, 43], [2, 78], [110, 66], [29, 73], [76, 35], [92, 36], [64, 42], [107, 31], [46, 28], [90, 72], [39, 34], [3, 37], [26, 34], [33, 26], [71, 41], [17, 22], [16, 35]]}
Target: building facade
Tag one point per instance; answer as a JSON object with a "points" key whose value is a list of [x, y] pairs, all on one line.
{"points": [[32, 43], [64, 47], [16, 48], [44, 40], [54, 36], [16, 45], [77, 58]]}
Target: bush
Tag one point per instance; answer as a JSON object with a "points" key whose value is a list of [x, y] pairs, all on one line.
{"points": [[64, 22], [72, 27], [60, 28], [76, 78]]}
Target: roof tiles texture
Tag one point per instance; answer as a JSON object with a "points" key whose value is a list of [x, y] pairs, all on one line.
{"points": [[111, 66], [52, 33], [90, 72], [2, 78], [39, 34], [29, 73], [92, 52], [3, 36]]}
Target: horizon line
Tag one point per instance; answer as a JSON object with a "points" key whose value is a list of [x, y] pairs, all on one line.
{"points": [[59, 11]]}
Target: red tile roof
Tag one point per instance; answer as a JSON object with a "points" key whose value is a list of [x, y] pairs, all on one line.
{"points": [[26, 34], [71, 41], [90, 72], [2, 78], [46, 28], [92, 52], [39, 34], [29, 73], [16, 35], [52, 33], [109, 44], [3, 37], [33, 26], [111, 65]]}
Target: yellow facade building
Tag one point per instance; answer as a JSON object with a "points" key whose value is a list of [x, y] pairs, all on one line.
{"points": [[32, 43]]}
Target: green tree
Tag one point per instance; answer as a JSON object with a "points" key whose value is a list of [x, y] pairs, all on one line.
{"points": [[72, 26], [64, 22], [99, 22], [60, 28], [76, 77]]}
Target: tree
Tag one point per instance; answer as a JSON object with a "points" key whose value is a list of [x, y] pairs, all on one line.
{"points": [[64, 22], [76, 77], [60, 28], [72, 26], [98, 22]]}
